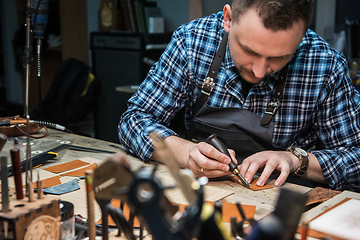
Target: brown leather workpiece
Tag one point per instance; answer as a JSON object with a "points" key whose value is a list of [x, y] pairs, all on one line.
{"points": [[80, 172], [253, 185]]}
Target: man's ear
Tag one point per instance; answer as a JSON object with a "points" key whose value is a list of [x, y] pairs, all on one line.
{"points": [[227, 17]]}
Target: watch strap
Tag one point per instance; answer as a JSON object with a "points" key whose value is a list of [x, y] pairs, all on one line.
{"points": [[304, 161]]}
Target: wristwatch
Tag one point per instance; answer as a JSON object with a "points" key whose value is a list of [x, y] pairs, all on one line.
{"points": [[303, 158]]}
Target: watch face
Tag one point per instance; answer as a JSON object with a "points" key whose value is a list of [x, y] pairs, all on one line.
{"points": [[302, 152]]}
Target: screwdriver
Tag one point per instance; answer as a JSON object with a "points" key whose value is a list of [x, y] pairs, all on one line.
{"points": [[216, 143]]}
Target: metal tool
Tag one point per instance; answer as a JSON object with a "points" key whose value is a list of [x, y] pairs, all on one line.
{"points": [[24, 121], [216, 143], [45, 156]]}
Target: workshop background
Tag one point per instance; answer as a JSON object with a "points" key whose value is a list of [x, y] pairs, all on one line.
{"points": [[120, 49]]}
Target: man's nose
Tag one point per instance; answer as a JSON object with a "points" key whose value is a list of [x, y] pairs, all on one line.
{"points": [[259, 67]]}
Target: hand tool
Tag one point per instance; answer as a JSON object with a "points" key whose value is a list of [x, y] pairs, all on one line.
{"points": [[24, 121], [39, 188], [90, 199], [45, 156], [16, 168], [215, 142], [28, 163]]}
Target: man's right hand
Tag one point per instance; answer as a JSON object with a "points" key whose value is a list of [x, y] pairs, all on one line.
{"points": [[202, 158]]}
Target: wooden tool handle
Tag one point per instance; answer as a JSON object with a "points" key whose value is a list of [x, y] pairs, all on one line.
{"points": [[90, 197], [16, 166]]}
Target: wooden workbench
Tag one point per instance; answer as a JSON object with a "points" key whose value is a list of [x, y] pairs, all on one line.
{"points": [[263, 200]]}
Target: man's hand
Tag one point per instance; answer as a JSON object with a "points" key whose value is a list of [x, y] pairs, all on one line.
{"points": [[202, 158], [205, 160], [282, 161]]}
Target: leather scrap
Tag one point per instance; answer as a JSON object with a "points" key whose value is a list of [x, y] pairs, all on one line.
{"points": [[80, 172], [49, 182], [66, 166], [320, 194]]}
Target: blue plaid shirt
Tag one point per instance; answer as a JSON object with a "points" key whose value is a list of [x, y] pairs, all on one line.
{"points": [[319, 101]]}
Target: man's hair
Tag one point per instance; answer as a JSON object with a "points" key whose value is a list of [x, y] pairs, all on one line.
{"points": [[276, 14]]}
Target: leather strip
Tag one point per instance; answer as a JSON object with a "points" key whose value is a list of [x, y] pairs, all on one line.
{"points": [[275, 102], [209, 83]]}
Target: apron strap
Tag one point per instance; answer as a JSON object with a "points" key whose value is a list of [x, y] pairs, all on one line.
{"points": [[209, 84], [273, 105]]}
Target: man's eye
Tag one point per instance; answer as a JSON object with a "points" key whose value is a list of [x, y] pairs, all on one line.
{"points": [[251, 53]]}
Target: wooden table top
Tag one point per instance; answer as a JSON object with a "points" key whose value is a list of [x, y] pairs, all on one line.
{"points": [[264, 200]]}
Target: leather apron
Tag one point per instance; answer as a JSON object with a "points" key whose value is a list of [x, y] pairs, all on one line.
{"points": [[239, 129]]}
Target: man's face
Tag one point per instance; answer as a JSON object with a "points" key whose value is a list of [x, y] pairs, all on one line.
{"points": [[256, 50]]}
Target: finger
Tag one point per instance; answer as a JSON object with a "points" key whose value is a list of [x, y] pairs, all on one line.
{"points": [[200, 171], [282, 178], [210, 158], [268, 170], [194, 166], [233, 156], [251, 165], [212, 152], [251, 170], [202, 165]]}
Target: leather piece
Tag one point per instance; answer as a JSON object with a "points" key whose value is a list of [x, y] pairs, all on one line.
{"points": [[49, 182], [80, 172], [66, 166], [253, 185]]}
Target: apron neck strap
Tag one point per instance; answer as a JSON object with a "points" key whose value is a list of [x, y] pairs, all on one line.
{"points": [[209, 83], [273, 105]]}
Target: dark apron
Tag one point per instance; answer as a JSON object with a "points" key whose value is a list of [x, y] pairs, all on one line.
{"points": [[239, 129]]}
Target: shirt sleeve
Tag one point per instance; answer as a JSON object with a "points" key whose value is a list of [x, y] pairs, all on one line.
{"points": [[339, 128], [158, 99]]}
